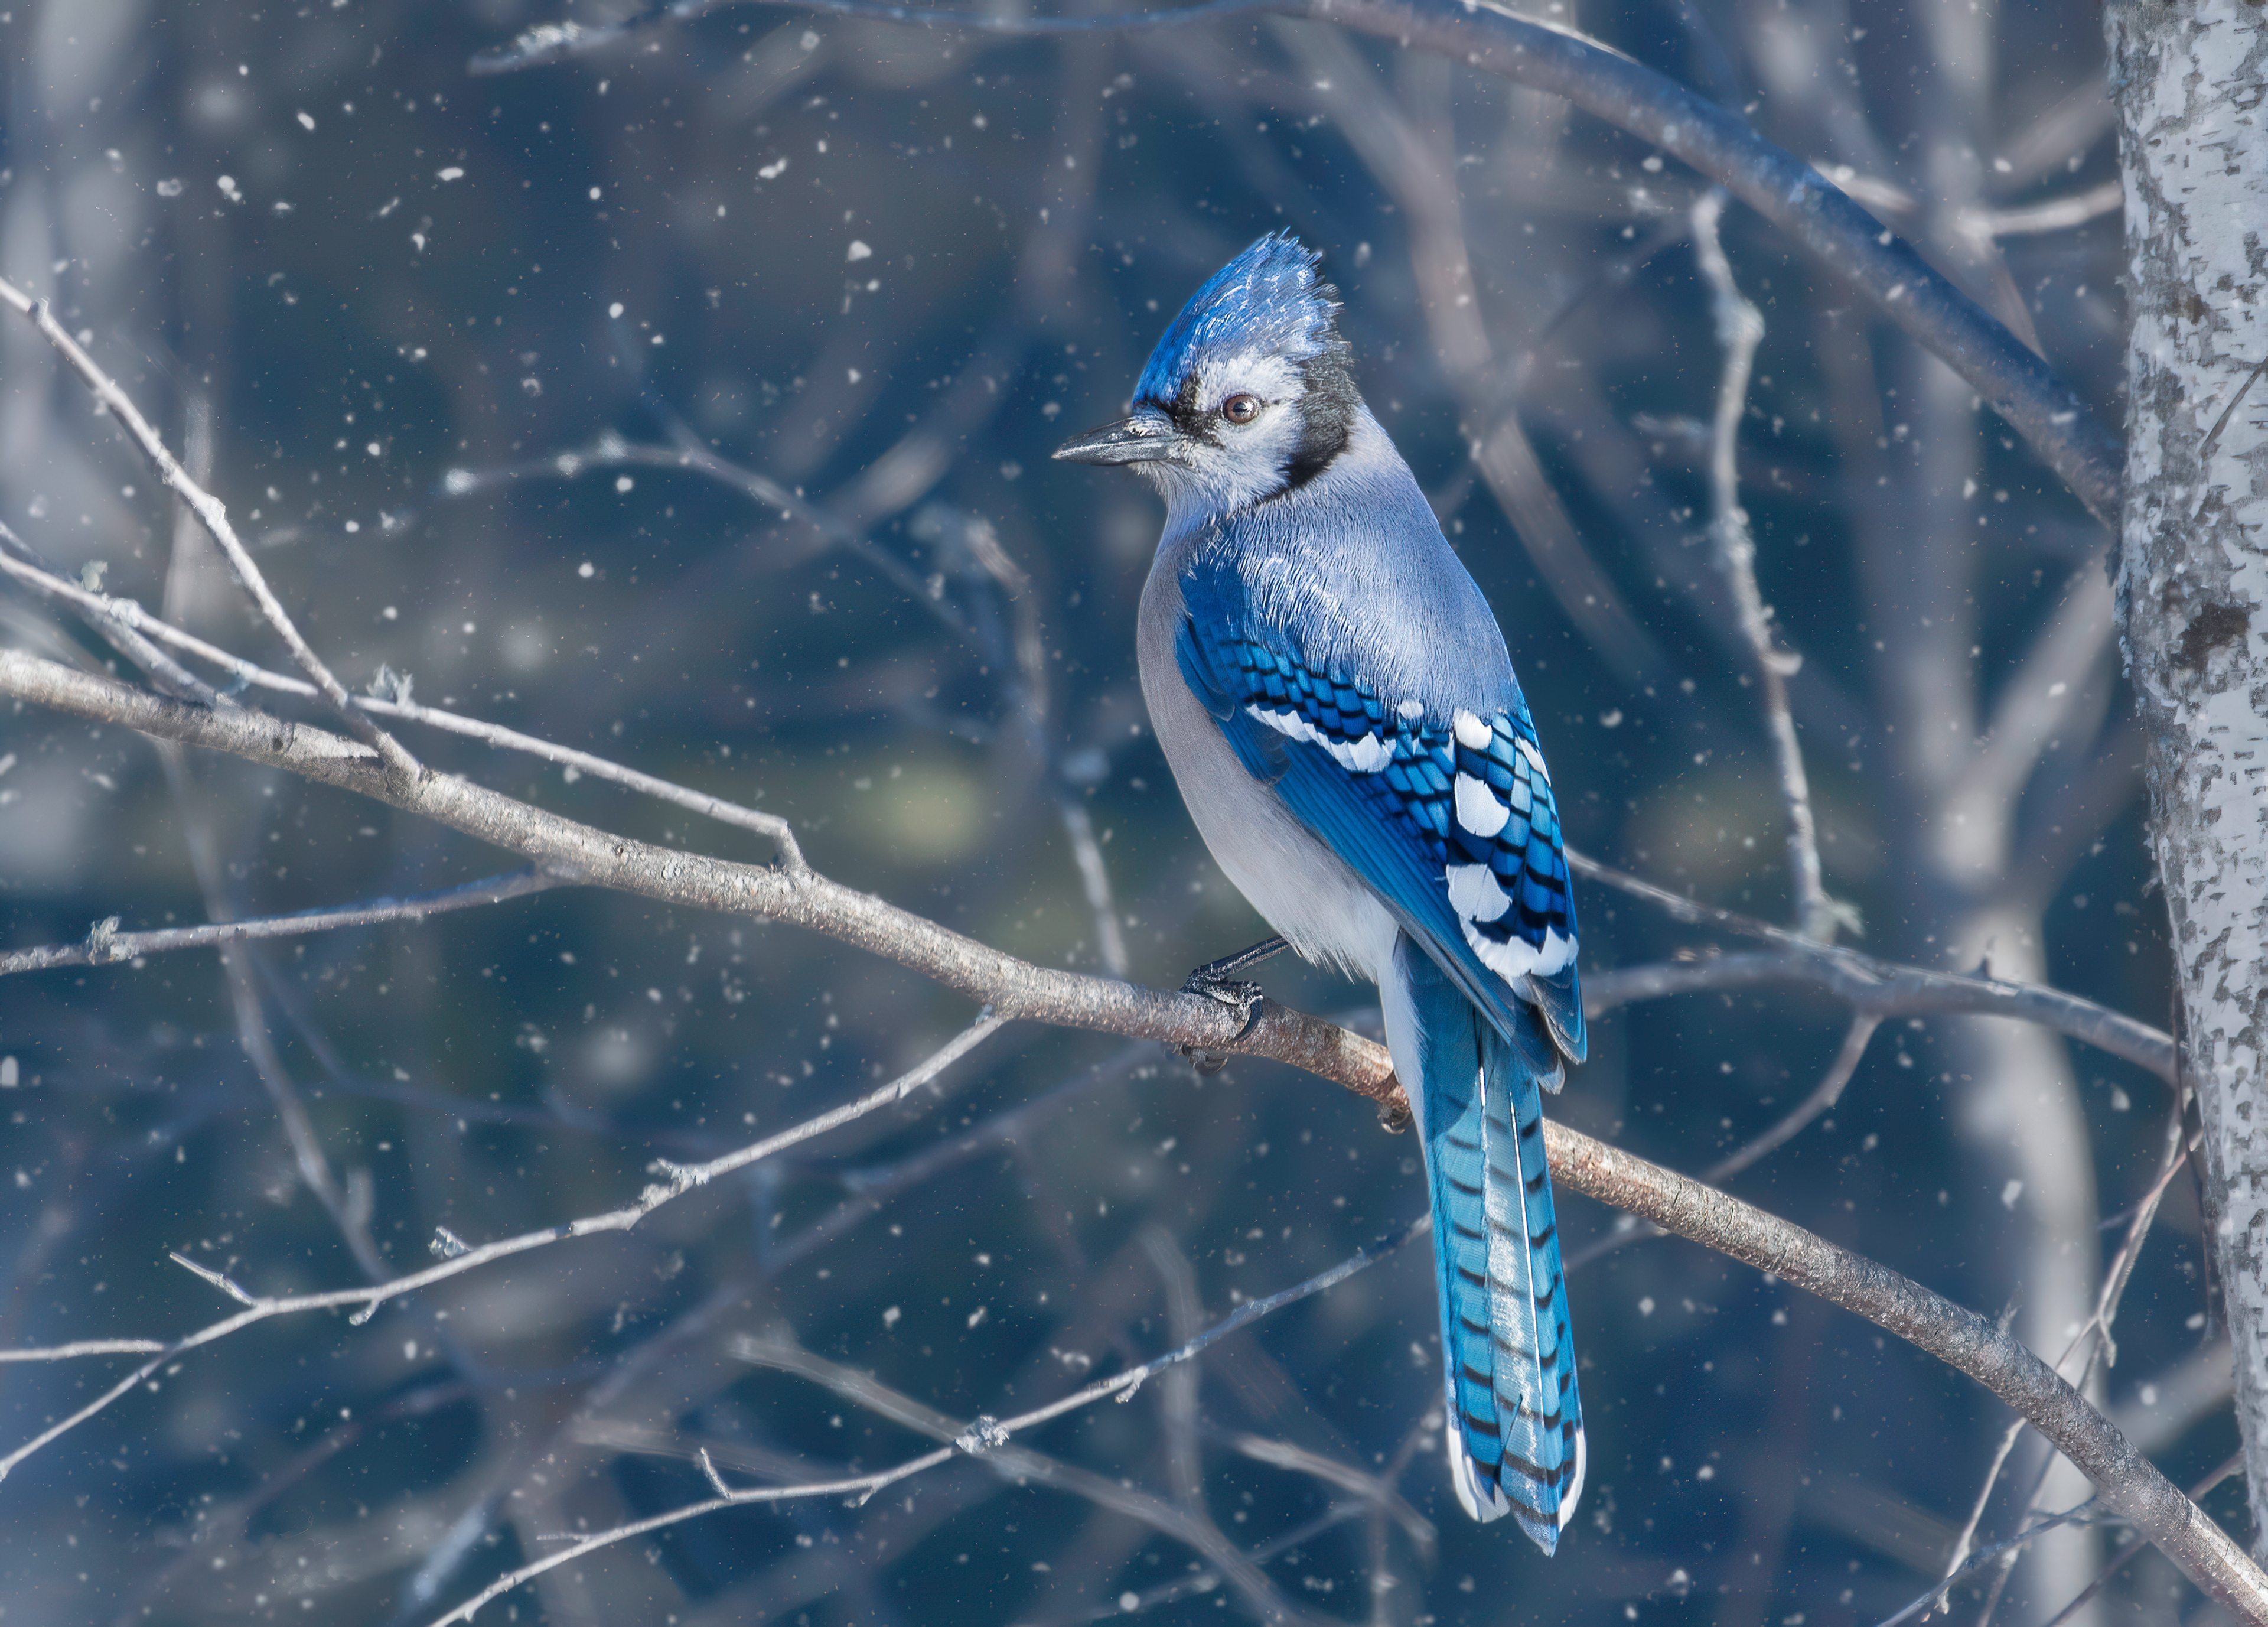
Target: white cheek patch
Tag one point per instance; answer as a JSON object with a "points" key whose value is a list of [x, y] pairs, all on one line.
{"points": [[1478, 811], [1365, 756], [1217, 480]]}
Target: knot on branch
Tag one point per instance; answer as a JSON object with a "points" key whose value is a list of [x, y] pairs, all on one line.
{"points": [[102, 942], [981, 1437], [677, 1179]]}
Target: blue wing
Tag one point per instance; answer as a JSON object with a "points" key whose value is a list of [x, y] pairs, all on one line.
{"points": [[1450, 818]]}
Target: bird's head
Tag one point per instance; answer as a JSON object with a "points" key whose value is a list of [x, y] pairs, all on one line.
{"points": [[1248, 394]]}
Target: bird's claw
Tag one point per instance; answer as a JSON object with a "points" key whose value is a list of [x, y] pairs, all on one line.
{"points": [[1245, 999], [1216, 980]]}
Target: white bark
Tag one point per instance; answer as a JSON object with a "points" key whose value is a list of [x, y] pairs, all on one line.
{"points": [[2193, 581]]}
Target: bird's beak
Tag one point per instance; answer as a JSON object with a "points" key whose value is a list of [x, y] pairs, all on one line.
{"points": [[1148, 437]]}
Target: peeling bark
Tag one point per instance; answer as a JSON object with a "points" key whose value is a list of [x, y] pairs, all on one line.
{"points": [[2192, 583]]}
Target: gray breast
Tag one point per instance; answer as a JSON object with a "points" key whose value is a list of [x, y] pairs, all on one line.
{"points": [[1301, 888]]}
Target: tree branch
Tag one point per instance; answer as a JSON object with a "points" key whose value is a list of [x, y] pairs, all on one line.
{"points": [[106, 943], [214, 518], [1711, 140], [1016, 989], [1739, 329]]}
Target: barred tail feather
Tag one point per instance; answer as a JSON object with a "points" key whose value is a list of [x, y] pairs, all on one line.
{"points": [[1515, 1430]]}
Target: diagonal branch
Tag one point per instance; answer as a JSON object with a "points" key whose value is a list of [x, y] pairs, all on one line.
{"points": [[214, 518], [574, 851], [1015, 989], [106, 944], [1714, 141], [126, 617], [1863, 982]]}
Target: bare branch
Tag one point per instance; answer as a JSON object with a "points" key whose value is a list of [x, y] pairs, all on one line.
{"points": [[2128, 1481], [2056, 215], [1739, 329], [215, 520], [1824, 1096], [117, 946], [20, 560], [457, 1258], [1716, 142], [1862, 982], [2229, 1466], [131, 616], [1015, 989]]}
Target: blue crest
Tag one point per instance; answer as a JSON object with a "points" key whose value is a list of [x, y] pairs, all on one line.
{"points": [[1269, 298]]}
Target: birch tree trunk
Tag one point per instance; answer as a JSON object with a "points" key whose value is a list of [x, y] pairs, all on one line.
{"points": [[2193, 582]]}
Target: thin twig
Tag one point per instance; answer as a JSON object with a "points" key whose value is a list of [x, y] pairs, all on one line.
{"points": [[1178, 1389], [692, 455], [20, 560], [1094, 880], [214, 518], [1887, 989], [1204, 1581], [991, 1440], [2118, 1561], [1372, 1489], [84, 1348], [681, 1180], [1019, 990], [1739, 329], [2058, 214], [246, 674], [1824, 1096], [1956, 1561], [2000, 1551], [101, 948], [981, 1437], [2094, 1337], [1714, 141]]}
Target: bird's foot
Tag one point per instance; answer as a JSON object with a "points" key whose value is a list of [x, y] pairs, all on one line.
{"points": [[1216, 980]]}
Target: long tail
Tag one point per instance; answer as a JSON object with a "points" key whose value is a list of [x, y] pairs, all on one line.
{"points": [[1515, 1432]]}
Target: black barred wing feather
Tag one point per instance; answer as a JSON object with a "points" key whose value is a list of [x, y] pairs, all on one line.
{"points": [[1451, 818]]}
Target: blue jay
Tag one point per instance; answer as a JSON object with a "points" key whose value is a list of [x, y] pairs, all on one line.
{"points": [[1339, 709]]}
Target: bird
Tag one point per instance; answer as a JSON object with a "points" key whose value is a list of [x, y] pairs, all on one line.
{"points": [[1338, 708]]}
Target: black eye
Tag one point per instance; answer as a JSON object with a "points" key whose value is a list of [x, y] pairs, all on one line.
{"points": [[1241, 409]]}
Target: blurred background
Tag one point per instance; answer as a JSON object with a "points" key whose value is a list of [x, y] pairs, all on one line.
{"points": [[451, 346]]}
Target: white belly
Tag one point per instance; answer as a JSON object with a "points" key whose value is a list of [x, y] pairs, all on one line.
{"points": [[1303, 889]]}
